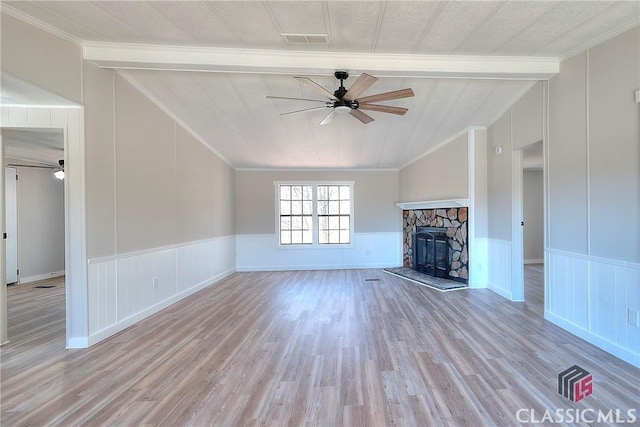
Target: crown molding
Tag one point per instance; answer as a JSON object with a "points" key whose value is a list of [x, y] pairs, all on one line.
{"points": [[155, 57], [4, 8], [337, 169], [601, 39]]}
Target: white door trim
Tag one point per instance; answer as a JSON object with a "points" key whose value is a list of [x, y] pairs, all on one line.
{"points": [[11, 222], [71, 121]]}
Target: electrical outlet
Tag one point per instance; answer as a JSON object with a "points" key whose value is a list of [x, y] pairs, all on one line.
{"points": [[633, 317], [155, 283]]}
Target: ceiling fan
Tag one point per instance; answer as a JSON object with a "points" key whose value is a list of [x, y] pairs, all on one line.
{"points": [[347, 101]]}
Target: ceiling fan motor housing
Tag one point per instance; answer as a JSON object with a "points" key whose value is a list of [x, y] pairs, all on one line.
{"points": [[345, 103]]}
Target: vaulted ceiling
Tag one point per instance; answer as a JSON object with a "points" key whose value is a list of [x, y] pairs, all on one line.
{"points": [[224, 103]]}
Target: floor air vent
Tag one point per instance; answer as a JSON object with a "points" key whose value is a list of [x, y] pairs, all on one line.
{"points": [[371, 280], [45, 286]]}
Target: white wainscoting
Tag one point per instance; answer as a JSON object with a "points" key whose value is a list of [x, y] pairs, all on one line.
{"points": [[478, 262], [590, 296], [261, 252], [499, 270], [126, 288]]}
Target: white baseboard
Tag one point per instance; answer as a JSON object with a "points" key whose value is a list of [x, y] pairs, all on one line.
{"points": [[534, 261], [124, 289], [608, 346], [78, 342], [502, 292], [131, 320], [313, 267], [30, 279]]}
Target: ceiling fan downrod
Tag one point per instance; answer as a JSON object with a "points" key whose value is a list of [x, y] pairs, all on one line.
{"points": [[342, 76]]}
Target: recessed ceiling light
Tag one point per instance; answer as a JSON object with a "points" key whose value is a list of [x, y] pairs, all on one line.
{"points": [[306, 38]]}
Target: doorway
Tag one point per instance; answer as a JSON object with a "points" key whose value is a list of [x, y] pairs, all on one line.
{"points": [[35, 207], [533, 220], [11, 227], [70, 120]]}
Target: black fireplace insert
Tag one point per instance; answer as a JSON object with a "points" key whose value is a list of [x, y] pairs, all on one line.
{"points": [[431, 251]]}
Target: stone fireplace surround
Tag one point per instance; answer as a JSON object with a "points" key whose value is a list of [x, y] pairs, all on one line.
{"points": [[455, 221]]}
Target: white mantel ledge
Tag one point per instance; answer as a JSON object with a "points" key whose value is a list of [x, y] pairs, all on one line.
{"points": [[433, 204]]}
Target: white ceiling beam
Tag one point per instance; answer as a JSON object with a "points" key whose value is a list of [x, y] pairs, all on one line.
{"points": [[153, 57]]}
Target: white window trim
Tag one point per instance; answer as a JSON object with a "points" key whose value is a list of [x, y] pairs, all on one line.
{"points": [[315, 222]]}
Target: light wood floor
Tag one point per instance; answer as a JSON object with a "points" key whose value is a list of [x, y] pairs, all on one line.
{"points": [[326, 348]]}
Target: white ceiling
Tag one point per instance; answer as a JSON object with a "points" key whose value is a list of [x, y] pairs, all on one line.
{"points": [[18, 92], [38, 145], [229, 112]]}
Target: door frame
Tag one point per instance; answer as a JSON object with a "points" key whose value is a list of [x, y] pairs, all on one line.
{"points": [[71, 120], [12, 232]]}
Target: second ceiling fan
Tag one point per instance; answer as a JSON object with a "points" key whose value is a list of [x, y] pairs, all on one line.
{"points": [[347, 101]]}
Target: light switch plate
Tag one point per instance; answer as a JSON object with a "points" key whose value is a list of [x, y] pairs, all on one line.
{"points": [[638, 96]]}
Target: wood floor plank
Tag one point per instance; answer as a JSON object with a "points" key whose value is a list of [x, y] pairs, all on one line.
{"points": [[304, 348]]}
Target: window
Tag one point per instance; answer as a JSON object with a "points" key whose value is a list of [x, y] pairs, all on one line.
{"points": [[334, 214], [296, 219], [315, 213]]}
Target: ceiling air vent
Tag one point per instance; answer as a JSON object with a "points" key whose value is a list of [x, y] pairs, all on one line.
{"points": [[306, 38]]}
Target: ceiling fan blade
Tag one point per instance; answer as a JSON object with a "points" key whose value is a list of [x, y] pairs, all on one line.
{"points": [[363, 83], [387, 96], [315, 86], [364, 118], [384, 108], [328, 118], [306, 109], [295, 99]]}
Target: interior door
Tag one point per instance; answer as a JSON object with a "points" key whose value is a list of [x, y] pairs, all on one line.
{"points": [[11, 218]]}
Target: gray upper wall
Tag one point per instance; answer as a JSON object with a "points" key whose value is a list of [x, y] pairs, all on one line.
{"points": [[527, 117], [442, 174], [567, 151], [100, 157], [149, 182], [375, 195], [499, 173], [39, 58], [594, 151]]}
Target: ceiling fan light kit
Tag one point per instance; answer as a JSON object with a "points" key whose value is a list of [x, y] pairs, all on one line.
{"points": [[343, 101]]}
